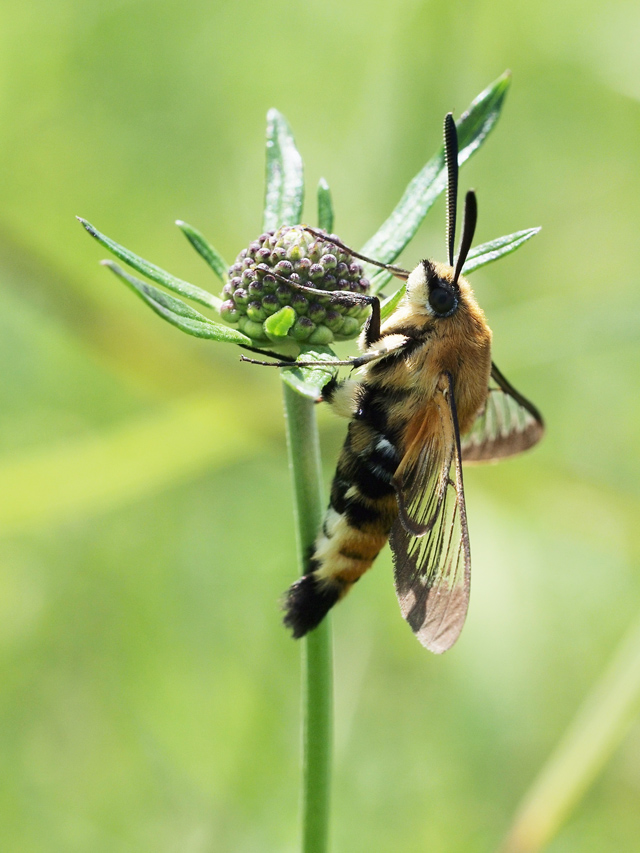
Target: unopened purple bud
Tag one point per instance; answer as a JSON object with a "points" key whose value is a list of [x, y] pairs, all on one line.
{"points": [[301, 329], [251, 328], [255, 312], [329, 282], [228, 311], [315, 251], [350, 327], [321, 335], [270, 303], [283, 294], [284, 268], [299, 303], [333, 319], [329, 261], [316, 312]]}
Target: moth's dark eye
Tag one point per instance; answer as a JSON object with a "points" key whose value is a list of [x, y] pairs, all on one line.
{"points": [[443, 301]]}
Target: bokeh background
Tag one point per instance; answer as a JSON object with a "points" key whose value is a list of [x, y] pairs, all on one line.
{"points": [[149, 696]]}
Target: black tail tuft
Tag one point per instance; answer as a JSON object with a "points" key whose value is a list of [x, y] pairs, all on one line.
{"points": [[307, 602]]}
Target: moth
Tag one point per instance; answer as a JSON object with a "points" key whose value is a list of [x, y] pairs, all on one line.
{"points": [[427, 397]]}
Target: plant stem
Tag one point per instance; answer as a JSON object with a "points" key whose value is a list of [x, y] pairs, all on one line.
{"points": [[304, 462]]}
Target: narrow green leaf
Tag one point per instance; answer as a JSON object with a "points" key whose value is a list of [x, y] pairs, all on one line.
{"points": [[473, 128], [309, 381], [284, 191], [389, 305], [204, 248], [177, 312], [184, 288], [478, 257], [325, 207], [489, 252], [277, 326]]}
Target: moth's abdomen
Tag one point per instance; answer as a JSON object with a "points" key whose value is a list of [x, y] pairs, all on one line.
{"points": [[356, 526]]}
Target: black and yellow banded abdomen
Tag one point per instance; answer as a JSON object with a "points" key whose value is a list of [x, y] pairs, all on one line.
{"points": [[356, 526]]}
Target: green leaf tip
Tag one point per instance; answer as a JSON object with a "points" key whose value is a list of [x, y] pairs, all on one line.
{"points": [[284, 187], [155, 273], [325, 207], [473, 127], [485, 254], [204, 249], [177, 312]]}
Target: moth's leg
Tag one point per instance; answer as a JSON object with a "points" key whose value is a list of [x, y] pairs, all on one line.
{"points": [[378, 349], [358, 361], [346, 298], [267, 352]]}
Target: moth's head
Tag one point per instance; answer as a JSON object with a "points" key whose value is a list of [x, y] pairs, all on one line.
{"points": [[447, 304], [432, 290]]}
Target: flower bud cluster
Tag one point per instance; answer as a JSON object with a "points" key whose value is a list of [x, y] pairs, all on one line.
{"points": [[263, 280]]}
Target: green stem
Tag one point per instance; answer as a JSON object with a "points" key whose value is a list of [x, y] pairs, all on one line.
{"points": [[304, 462]]}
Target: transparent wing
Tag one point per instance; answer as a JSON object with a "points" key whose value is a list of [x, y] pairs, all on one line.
{"points": [[507, 424], [430, 540]]}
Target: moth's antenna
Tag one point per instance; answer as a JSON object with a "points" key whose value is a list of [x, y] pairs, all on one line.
{"points": [[468, 230], [451, 161], [399, 272]]}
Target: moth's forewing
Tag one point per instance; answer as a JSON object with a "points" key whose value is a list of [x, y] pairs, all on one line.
{"points": [[507, 425], [430, 540]]}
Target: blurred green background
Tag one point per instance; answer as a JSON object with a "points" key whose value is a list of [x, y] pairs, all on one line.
{"points": [[149, 696]]}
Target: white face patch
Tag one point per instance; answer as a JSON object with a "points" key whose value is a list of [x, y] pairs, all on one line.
{"points": [[419, 294], [417, 283], [418, 291]]}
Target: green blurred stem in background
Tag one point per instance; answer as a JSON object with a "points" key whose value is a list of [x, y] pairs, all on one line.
{"points": [[304, 463], [600, 724]]}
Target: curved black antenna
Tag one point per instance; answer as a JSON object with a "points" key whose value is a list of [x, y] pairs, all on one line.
{"points": [[451, 162], [468, 230], [398, 272]]}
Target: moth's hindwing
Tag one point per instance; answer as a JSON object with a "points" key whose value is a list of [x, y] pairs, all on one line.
{"points": [[430, 539], [507, 424]]}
